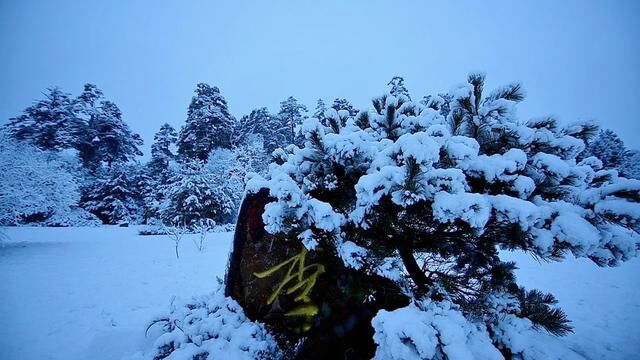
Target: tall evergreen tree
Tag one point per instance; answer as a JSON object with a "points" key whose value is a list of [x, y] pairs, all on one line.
{"points": [[321, 107], [291, 115], [344, 104], [397, 88], [195, 194], [112, 197], [209, 124], [88, 102], [158, 171], [49, 124], [609, 148], [87, 107], [260, 122], [161, 153], [113, 140], [631, 167], [106, 137]]}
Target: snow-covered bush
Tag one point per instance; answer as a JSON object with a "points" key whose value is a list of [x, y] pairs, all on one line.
{"points": [[210, 327], [434, 199], [38, 187], [430, 330], [439, 330], [151, 229]]}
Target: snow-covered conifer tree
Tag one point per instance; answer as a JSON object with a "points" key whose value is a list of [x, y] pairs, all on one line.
{"points": [[87, 108], [344, 104], [49, 124], [291, 115], [631, 166], [209, 124], [114, 196], [397, 88], [158, 170], [609, 148], [440, 103], [195, 193], [250, 157], [114, 141], [428, 202], [321, 107], [213, 189], [260, 122], [106, 138], [162, 153]]}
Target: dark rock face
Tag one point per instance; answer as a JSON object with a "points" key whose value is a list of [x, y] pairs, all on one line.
{"points": [[333, 321]]}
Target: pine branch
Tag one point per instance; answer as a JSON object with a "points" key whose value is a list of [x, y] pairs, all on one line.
{"points": [[362, 120], [455, 121], [538, 307], [547, 122], [511, 92]]}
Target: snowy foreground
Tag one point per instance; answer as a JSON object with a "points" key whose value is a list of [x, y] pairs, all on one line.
{"points": [[88, 293]]}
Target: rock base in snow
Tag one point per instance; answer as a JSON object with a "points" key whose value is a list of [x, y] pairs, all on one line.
{"points": [[346, 300]]}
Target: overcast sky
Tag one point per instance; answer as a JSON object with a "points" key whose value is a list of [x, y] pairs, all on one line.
{"points": [[577, 59]]}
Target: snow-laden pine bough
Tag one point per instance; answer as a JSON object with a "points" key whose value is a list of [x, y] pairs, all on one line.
{"points": [[405, 208]]}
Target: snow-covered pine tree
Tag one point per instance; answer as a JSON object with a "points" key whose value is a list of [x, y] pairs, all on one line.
{"points": [[49, 124], [250, 157], [344, 104], [209, 124], [429, 201], [106, 137], [260, 122], [114, 141], [609, 148], [87, 103], [195, 193], [397, 88], [321, 107], [114, 196], [87, 108], [158, 171], [161, 153], [631, 167], [440, 103], [291, 115]]}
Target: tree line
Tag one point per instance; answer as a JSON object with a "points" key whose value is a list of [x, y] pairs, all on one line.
{"points": [[74, 160]]}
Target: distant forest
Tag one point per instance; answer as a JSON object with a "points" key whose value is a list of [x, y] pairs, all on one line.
{"points": [[70, 161]]}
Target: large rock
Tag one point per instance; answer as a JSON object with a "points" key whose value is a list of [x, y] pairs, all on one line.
{"points": [[333, 321]]}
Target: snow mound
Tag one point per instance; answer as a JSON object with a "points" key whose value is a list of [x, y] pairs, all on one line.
{"points": [[430, 330], [210, 326]]}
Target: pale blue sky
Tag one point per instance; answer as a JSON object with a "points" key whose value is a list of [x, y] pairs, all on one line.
{"points": [[577, 59]]}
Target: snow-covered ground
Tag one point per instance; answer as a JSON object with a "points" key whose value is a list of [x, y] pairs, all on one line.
{"points": [[88, 293]]}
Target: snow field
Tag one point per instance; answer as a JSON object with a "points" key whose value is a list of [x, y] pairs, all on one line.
{"points": [[89, 293]]}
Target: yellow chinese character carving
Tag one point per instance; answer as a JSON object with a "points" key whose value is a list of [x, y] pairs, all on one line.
{"points": [[296, 281]]}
